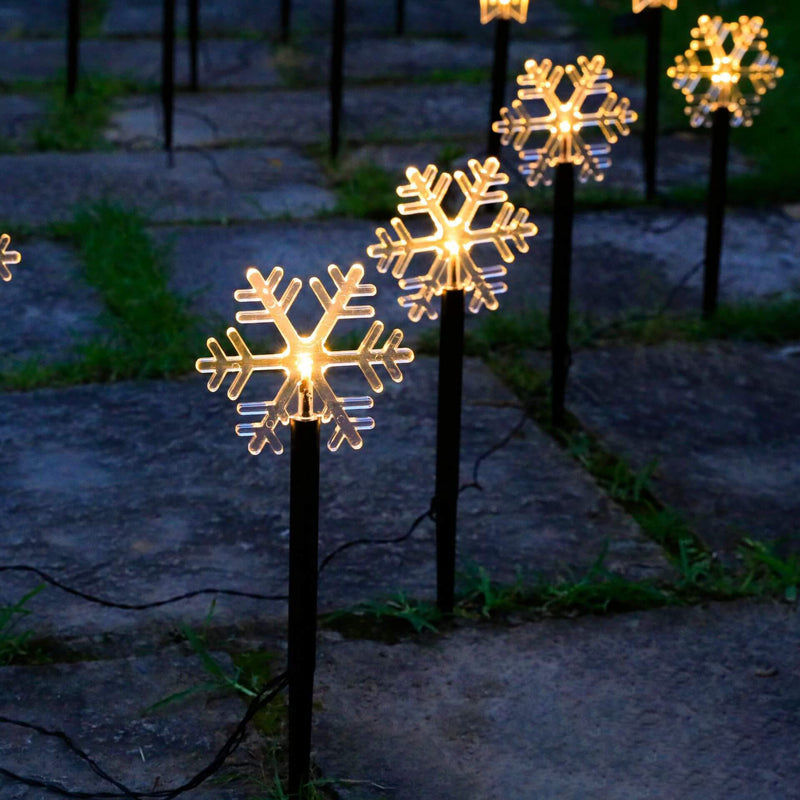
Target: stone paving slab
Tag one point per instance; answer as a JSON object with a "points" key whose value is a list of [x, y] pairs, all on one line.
{"points": [[18, 115], [222, 62], [722, 420], [211, 187], [47, 308], [692, 703], [146, 493], [101, 705]]}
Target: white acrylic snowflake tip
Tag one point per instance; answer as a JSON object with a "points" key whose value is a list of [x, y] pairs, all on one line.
{"points": [[564, 121], [305, 360], [7, 257], [504, 9], [453, 238], [641, 5], [721, 56]]}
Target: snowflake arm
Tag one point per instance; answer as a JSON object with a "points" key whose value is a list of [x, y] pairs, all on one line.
{"points": [[564, 122], [305, 359], [641, 5], [453, 238], [718, 84], [7, 257], [504, 9]]}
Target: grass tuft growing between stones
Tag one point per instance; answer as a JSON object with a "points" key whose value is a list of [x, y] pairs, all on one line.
{"points": [[13, 641], [364, 191]]}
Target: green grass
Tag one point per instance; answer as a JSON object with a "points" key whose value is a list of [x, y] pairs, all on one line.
{"points": [[13, 641], [150, 331], [775, 134], [364, 191]]}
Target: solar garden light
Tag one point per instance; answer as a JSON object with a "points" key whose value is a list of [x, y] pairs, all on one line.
{"points": [[453, 273], [168, 74], [722, 56], [652, 13], [73, 44], [564, 120], [502, 11], [7, 257], [304, 401], [286, 20], [400, 18]]}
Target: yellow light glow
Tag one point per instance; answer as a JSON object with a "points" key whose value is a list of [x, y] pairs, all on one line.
{"points": [[7, 257], [305, 359], [641, 5], [564, 121], [453, 238], [710, 86], [504, 9]]}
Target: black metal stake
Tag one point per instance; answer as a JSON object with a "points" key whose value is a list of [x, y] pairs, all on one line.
{"points": [[286, 20], [194, 39], [448, 443], [653, 18], [563, 213], [73, 43], [717, 196], [303, 556], [337, 74], [168, 74], [499, 71], [400, 19]]}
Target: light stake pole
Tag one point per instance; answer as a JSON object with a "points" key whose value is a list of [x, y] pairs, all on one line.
{"points": [[73, 44], [168, 75], [337, 75], [194, 40], [400, 18], [503, 11], [715, 98], [565, 145], [286, 20], [653, 19], [560, 280], [451, 275], [304, 401], [448, 443], [303, 559]]}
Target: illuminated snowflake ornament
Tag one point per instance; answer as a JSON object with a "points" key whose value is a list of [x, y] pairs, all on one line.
{"points": [[305, 360], [7, 257], [504, 9], [641, 5], [720, 57], [565, 119], [453, 238]]}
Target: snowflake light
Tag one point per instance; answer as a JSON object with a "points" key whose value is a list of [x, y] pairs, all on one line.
{"points": [[7, 257], [504, 9], [641, 5], [721, 56], [305, 360], [565, 120]]}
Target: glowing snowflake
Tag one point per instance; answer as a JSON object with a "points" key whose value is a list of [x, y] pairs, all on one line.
{"points": [[305, 359], [566, 119], [504, 9], [7, 257], [726, 70], [453, 238], [641, 5]]}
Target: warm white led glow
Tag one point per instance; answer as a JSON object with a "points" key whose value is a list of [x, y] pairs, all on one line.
{"points": [[7, 257], [305, 360], [641, 5], [453, 238], [736, 52], [564, 121], [504, 9]]}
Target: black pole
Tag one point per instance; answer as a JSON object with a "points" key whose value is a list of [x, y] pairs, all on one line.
{"points": [[448, 443], [499, 70], [653, 19], [303, 555], [337, 75], [73, 42], [717, 196], [400, 19], [286, 20], [168, 74], [563, 212], [194, 38]]}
